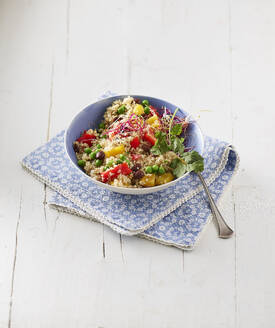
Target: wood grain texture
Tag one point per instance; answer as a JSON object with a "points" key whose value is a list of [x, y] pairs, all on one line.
{"points": [[216, 59]]}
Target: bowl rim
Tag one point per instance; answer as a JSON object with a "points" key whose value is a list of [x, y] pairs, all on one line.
{"points": [[123, 189]]}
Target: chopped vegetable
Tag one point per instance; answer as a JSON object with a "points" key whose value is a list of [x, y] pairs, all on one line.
{"points": [[93, 155], [147, 110], [135, 142], [155, 168], [148, 180], [121, 110], [86, 138], [98, 162], [110, 163], [115, 172], [81, 163], [161, 170], [150, 138], [149, 169], [138, 110], [152, 119], [164, 178], [115, 151]]}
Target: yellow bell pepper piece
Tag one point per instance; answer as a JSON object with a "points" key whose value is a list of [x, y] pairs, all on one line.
{"points": [[164, 178], [155, 124], [148, 180], [138, 110], [152, 119], [115, 151]]}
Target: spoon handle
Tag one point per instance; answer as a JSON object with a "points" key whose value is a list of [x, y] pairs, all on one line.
{"points": [[224, 230]]}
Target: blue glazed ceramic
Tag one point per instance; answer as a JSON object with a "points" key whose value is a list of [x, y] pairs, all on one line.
{"points": [[91, 116]]}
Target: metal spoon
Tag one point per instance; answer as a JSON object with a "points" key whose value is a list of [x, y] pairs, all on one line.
{"points": [[224, 230]]}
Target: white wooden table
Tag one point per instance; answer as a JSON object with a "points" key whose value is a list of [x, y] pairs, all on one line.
{"points": [[216, 58]]}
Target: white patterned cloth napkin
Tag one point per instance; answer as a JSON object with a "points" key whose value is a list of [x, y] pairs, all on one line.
{"points": [[175, 216]]}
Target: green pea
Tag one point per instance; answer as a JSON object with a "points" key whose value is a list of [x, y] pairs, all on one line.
{"points": [[145, 102], [149, 169], [155, 168], [98, 162], [93, 155], [104, 136], [101, 125], [110, 163], [88, 150], [119, 161], [147, 110], [121, 109], [98, 146], [161, 170], [122, 157], [81, 163], [105, 168]]}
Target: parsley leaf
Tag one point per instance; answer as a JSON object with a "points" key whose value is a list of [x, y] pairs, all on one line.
{"points": [[180, 168], [190, 162], [161, 146], [194, 161], [177, 145], [176, 130]]}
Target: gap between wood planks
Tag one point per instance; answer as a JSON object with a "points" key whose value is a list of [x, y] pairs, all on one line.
{"points": [[48, 134], [15, 258], [232, 137], [68, 11]]}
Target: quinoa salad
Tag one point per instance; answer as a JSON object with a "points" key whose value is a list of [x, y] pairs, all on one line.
{"points": [[136, 146]]}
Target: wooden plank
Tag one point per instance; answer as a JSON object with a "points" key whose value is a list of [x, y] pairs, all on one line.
{"points": [[188, 62], [22, 127], [253, 69], [68, 250]]}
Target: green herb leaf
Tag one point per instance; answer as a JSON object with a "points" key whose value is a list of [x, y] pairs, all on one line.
{"points": [[176, 130], [195, 167], [161, 146], [180, 168], [194, 161], [177, 145], [190, 162], [171, 122]]}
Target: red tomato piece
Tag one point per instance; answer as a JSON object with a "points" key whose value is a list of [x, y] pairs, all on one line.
{"points": [[115, 172], [150, 138], [135, 142], [86, 138]]}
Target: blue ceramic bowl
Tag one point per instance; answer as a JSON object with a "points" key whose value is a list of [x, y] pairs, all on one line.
{"points": [[91, 116]]}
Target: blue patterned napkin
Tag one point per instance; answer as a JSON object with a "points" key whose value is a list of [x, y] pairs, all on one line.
{"points": [[175, 216]]}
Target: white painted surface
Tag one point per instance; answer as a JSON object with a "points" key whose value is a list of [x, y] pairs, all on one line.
{"points": [[55, 58]]}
